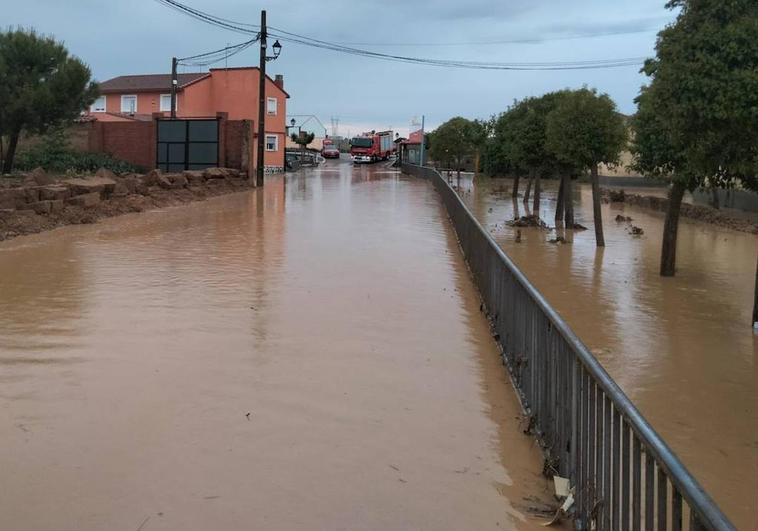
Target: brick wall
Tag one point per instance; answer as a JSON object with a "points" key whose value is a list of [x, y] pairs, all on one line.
{"points": [[130, 141], [135, 142]]}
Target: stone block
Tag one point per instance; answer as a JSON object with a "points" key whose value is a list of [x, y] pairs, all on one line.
{"points": [[120, 190], [40, 207], [40, 177], [178, 181], [12, 198], [54, 192], [56, 205], [215, 173], [84, 200], [101, 185], [151, 178]]}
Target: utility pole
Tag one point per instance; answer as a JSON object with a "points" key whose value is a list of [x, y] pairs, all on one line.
{"points": [[174, 83], [421, 162], [262, 105]]}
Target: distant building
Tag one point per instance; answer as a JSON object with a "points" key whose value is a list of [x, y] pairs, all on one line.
{"points": [[199, 95], [307, 123]]}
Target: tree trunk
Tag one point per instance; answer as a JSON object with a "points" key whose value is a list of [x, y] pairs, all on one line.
{"points": [[715, 198], [537, 193], [568, 202], [11, 154], [514, 193], [458, 170], [596, 212], [477, 157], [755, 300], [559, 207], [670, 228], [528, 191]]}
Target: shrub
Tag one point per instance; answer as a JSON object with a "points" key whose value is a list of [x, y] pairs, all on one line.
{"points": [[55, 155]]}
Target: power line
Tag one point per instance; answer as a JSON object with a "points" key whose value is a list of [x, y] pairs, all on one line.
{"points": [[447, 63], [209, 58], [532, 40]]}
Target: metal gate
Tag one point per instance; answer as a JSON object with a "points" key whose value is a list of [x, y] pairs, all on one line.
{"points": [[187, 144]]}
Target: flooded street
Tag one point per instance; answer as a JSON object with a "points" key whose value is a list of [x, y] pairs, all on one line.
{"points": [[306, 356], [682, 348]]}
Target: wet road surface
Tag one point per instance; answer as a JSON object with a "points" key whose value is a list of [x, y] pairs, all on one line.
{"points": [[682, 348], [306, 356]]}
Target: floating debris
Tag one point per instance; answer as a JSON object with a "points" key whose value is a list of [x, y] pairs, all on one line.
{"points": [[617, 196], [636, 231], [528, 221], [623, 219]]}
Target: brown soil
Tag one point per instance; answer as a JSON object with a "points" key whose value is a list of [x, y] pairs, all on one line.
{"points": [[697, 212], [20, 222]]}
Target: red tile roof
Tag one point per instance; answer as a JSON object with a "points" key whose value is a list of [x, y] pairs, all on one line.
{"points": [[147, 82]]}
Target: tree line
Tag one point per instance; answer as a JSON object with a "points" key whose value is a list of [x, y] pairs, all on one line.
{"points": [[696, 123]]}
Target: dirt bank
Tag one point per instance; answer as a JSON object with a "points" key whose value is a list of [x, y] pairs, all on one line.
{"points": [[40, 202], [722, 218]]}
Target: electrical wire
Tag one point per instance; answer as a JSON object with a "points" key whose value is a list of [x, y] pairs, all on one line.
{"points": [[209, 58], [447, 63], [532, 40]]}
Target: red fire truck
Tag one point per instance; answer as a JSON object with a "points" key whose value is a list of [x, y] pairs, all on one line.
{"points": [[371, 147]]}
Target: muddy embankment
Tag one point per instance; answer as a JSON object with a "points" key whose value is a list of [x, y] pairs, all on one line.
{"points": [[38, 202], [706, 214]]}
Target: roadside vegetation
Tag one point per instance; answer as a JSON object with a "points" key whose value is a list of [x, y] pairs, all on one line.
{"points": [[43, 88], [54, 154], [696, 125]]}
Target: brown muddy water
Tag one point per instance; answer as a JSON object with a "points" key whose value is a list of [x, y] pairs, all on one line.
{"points": [[682, 348], [306, 356]]}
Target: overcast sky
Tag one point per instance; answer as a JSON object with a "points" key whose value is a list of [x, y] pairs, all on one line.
{"points": [[140, 36]]}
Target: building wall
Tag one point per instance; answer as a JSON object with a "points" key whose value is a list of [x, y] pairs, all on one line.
{"points": [[132, 141], [135, 142], [235, 91], [147, 102]]}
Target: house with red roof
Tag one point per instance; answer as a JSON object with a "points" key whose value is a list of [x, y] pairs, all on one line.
{"points": [[233, 91]]}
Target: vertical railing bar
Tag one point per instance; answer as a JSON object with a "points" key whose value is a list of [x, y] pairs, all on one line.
{"points": [[580, 443], [636, 483], [616, 465], [607, 502], [649, 493], [676, 510], [662, 500], [624, 476], [591, 448]]}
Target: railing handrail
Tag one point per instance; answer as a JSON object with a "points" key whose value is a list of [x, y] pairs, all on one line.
{"points": [[691, 490]]}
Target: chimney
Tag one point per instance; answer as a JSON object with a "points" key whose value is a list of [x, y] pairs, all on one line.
{"points": [[279, 81]]}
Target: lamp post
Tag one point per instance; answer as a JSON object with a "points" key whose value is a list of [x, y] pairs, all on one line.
{"points": [[277, 49]]}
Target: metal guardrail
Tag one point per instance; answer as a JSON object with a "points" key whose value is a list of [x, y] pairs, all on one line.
{"points": [[623, 474]]}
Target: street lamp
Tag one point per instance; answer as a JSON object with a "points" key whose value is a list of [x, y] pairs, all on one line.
{"points": [[277, 50]]}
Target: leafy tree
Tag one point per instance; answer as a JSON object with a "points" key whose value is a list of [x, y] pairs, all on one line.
{"points": [[43, 86], [481, 130], [454, 140], [521, 130], [583, 131], [302, 140], [697, 121]]}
